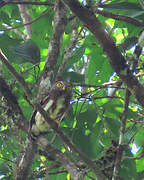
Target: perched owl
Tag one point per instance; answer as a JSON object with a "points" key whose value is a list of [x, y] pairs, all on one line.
{"points": [[56, 104]]}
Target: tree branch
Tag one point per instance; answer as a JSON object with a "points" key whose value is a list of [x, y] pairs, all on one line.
{"points": [[14, 30], [52, 123], [17, 114], [59, 24], [25, 24], [25, 160], [16, 75], [121, 137], [50, 151], [27, 2], [24, 13], [118, 17], [116, 59]]}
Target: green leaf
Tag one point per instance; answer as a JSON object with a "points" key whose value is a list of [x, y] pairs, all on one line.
{"points": [[27, 52], [99, 69], [122, 6], [76, 56], [88, 118], [90, 146], [97, 129], [140, 165], [139, 137], [73, 77], [6, 42], [128, 169], [113, 125], [3, 169], [4, 17]]}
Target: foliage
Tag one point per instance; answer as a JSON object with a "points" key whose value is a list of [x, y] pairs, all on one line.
{"points": [[95, 116]]}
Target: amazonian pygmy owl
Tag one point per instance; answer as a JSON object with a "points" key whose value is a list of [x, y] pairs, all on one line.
{"points": [[56, 104]]}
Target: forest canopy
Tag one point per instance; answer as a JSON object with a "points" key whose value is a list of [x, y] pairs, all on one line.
{"points": [[71, 89]]}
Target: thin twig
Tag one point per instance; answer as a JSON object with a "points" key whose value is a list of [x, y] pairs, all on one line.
{"points": [[106, 83], [15, 31], [52, 123], [26, 24], [121, 137], [16, 74], [116, 59]]}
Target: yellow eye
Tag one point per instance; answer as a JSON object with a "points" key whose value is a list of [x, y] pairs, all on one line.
{"points": [[61, 85]]}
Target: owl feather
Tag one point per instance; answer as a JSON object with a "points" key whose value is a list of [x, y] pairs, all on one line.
{"points": [[56, 104]]}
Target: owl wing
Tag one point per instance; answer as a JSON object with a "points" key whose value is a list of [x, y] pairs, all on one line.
{"points": [[56, 104], [32, 125]]}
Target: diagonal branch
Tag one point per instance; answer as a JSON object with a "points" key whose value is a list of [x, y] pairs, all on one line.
{"points": [[25, 24], [50, 151], [26, 2], [16, 75], [17, 114], [118, 17], [14, 30], [50, 121], [116, 59]]}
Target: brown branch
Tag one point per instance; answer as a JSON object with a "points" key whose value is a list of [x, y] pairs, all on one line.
{"points": [[90, 21], [16, 112], [52, 124], [18, 118], [24, 13], [59, 25], [98, 86], [123, 18], [116, 59], [16, 75], [28, 3], [58, 156], [25, 160], [65, 139], [121, 137], [15, 31], [110, 83], [137, 121]]}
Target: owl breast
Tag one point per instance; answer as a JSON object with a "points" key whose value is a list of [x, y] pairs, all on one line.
{"points": [[56, 104], [56, 111]]}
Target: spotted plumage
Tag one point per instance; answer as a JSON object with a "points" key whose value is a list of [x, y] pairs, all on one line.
{"points": [[56, 104]]}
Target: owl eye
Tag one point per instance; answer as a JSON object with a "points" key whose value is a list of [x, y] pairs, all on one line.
{"points": [[60, 85]]}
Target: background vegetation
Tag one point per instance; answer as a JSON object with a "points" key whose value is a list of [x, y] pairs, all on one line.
{"points": [[96, 46]]}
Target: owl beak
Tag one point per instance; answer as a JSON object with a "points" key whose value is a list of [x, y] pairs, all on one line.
{"points": [[64, 88]]}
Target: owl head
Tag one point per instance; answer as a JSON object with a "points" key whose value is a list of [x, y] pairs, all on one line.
{"points": [[61, 88]]}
